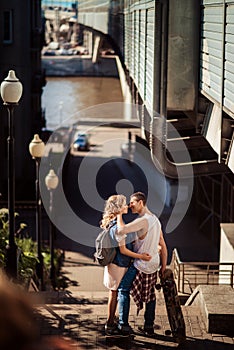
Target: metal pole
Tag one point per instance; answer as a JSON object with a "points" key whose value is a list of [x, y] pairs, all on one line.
{"points": [[11, 249], [52, 235], [40, 270], [129, 146]]}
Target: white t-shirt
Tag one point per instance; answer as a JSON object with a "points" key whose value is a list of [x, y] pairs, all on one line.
{"points": [[149, 245]]}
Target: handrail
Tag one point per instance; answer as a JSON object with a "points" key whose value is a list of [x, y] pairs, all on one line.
{"points": [[188, 275]]}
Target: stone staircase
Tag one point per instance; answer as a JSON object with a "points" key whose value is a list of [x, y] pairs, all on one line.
{"points": [[217, 307]]}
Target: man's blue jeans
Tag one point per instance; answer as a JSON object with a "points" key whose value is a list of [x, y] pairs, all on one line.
{"points": [[124, 301]]}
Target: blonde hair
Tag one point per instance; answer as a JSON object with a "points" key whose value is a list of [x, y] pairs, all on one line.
{"points": [[113, 206]]}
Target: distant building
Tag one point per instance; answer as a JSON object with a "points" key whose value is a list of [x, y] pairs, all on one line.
{"points": [[21, 41], [59, 3]]}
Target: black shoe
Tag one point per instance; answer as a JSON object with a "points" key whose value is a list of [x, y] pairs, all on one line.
{"points": [[125, 330], [149, 331], [110, 329]]}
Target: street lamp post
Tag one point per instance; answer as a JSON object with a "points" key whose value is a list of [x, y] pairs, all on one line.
{"points": [[11, 92], [51, 181], [36, 149]]}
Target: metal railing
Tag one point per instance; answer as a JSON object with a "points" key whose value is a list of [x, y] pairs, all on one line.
{"points": [[188, 275]]}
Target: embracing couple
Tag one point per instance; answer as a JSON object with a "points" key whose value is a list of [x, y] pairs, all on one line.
{"points": [[141, 252]]}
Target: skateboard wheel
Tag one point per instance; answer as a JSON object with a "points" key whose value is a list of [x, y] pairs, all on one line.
{"points": [[168, 332]]}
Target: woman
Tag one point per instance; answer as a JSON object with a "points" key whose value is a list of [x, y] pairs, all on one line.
{"points": [[115, 207]]}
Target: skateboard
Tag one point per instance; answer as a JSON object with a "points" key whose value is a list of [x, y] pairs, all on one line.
{"points": [[172, 301], [117, 337]]}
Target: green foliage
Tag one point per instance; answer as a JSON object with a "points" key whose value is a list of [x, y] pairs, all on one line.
{"points": [[27, 245], [27, 252], [4, 227]]}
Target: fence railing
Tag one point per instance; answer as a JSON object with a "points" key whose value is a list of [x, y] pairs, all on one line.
{"points": [[189, 275]]}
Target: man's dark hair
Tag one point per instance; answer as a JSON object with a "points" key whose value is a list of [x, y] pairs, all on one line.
{"points": [[140, 196]]}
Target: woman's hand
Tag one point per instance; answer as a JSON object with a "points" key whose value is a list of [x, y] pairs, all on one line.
{"points": [[146, 257]]}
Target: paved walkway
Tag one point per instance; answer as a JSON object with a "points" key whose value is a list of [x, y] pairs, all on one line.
{"points": [[79, 313]]}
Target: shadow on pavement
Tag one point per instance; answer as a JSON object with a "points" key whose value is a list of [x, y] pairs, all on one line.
{"points": [[87, 331]]}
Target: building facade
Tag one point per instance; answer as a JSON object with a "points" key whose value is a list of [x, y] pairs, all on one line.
{"points": [[178, 60], [21, 40]]}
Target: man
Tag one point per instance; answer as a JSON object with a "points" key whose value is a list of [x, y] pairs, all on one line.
{"points": [[141, 275]]}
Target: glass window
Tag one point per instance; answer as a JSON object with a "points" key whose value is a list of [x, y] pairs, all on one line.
{"points": [[7, 27]]}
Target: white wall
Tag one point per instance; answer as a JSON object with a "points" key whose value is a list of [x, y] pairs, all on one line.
{"points": [[226, 251]]}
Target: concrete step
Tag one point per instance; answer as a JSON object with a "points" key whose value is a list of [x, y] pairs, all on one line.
{"points": [[217, 307]]}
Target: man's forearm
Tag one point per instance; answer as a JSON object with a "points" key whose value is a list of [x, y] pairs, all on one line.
{"points": [[164, 253], [134, 226], [164, 256]]}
